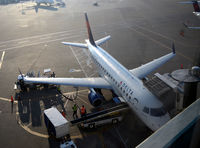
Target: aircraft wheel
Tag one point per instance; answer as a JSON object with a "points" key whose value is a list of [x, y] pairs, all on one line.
{"points": [[114, 121], [91, 125]]}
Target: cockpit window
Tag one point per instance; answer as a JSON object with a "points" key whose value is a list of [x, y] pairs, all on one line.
{"points": [[157, 111], [146, 110]]}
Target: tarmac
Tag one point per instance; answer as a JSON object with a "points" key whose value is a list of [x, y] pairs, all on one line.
{"points": [[30, 39]]}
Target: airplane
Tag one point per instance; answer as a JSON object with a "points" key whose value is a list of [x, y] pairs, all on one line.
{"points": [[38, 2], [126, 84], [196, 11]]}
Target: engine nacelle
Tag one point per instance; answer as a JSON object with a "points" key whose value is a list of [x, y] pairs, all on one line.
{"points": [[95, 98]]}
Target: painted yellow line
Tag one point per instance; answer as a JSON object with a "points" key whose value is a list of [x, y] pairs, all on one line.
{"points": [[3, 54], [163, 36], [161, 44], [42, 135], [33, 132], [26, 128]]}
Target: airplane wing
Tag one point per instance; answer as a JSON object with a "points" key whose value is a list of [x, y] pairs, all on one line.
{"points": [[82, 82], [145, 69]]}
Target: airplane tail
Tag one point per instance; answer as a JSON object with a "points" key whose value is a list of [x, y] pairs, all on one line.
{"points": [[196, 6], [194, 3], [90, 37]]}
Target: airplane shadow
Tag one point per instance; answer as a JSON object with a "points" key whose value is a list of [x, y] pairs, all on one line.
{"points": [[31, 105], [54, 7], [51, 8], [7, 2]]}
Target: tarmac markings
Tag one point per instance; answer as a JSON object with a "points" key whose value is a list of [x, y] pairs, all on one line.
{"points": [[78, 61], [2, 57], [161, 44], [40, 42]]}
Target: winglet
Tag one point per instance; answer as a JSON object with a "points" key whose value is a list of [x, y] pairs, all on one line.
{"points": [[91, 39], [173, 48]]}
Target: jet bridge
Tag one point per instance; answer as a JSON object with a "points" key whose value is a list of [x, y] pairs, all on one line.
{"points": [[169, 91], [182, 131]]}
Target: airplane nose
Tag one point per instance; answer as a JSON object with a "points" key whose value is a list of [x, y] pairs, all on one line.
{"points": [[160, 122]]}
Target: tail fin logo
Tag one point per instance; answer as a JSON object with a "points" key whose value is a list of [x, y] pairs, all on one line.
{"points": [[196, 6], [90, 36]]}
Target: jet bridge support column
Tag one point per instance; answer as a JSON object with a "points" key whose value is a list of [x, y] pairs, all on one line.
{"points": [[190, 77]]}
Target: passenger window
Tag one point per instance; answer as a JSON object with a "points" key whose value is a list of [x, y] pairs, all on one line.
{"points": [[136, 100]]}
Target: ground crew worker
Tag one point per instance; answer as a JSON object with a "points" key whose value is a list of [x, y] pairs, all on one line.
{"points": [[53, 75], [63, 113], [75, 111], [83, 111], [11, 100]]}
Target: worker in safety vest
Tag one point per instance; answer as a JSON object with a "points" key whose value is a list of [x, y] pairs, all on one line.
{"points": [[75, 111], [63, 113], [11, 100], [83, 111]]}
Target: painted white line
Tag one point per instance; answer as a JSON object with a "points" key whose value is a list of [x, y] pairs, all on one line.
{"points": [[121, 137], [33, 132], [22, 42], [36, 43], [3, 54], [2, 45], [78, 61], [44, 38], [160, 43], [66, 103], [84, 101], [36, 36]]}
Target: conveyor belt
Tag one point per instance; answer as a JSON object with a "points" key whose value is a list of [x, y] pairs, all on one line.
{"points": [[92, 116]]}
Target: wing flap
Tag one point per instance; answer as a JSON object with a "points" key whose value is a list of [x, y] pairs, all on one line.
{"points": [[77, 82]]}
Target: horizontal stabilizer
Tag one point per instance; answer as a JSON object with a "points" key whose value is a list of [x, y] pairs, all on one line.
{"points": [[75, 44], [103, 40]]}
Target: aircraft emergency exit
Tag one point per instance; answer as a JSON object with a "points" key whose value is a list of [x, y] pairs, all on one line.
{"points": [[126, 84]]}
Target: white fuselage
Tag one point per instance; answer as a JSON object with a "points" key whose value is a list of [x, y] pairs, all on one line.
{"points": [[148, 108]]}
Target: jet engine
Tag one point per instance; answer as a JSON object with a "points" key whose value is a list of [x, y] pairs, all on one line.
{"points": [[95, 97]]}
